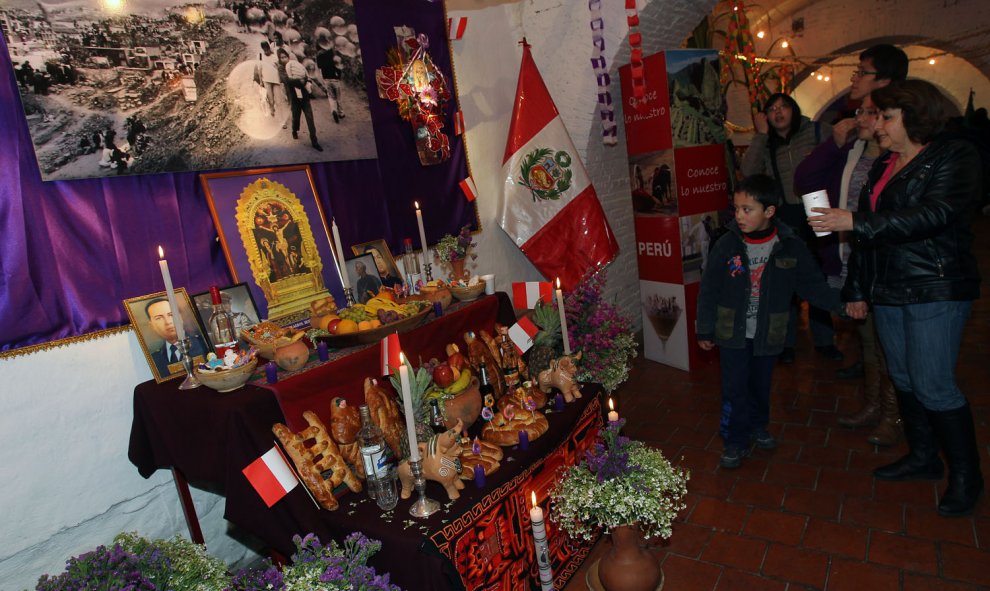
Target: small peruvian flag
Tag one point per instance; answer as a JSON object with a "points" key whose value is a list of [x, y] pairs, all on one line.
{"points": [[390, 353], [522, 333], [459, 123], [456, 26], [271, 476], [525, 294], [469, 188]]}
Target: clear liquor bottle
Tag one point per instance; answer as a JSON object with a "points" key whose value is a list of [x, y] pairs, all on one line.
{"points": [[221, 326], [410, 265], [373, 456]]}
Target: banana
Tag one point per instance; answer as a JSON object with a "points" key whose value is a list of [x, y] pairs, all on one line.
{"points": [[461, 382]]}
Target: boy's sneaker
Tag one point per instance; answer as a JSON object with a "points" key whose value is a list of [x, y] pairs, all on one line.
{"points": [[764, 440], [732, 457]]}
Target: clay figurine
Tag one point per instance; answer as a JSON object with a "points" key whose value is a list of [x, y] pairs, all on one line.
{"points": [[441, 463], [560, 375]]}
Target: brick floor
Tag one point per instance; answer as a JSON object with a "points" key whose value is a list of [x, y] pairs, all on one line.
{"points": [[809, 515]]}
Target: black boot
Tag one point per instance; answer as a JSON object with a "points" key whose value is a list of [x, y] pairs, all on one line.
{"points": [[954, 429], [922, 461]]}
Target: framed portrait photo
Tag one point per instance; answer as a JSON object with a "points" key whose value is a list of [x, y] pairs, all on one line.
{"points": [[365, 280], [275, 237], [153, 322], [236, 298], [388, 271]]}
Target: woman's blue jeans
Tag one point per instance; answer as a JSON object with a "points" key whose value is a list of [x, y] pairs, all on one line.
{"points": [[921, 344]]}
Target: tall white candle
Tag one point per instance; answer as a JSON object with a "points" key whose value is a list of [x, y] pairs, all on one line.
{"points": [[613, 416], [422, 232], [563, 319], [341, 267], [540, 544], [407, 404], [180, 331]]}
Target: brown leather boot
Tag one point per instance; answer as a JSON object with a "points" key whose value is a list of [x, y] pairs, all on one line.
{"points": [[869, 415], [891, 429]]}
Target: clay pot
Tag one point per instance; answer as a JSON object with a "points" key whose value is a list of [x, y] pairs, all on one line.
{"points": [[292, 356], [466, 406], [628, 565], [457, 271]]}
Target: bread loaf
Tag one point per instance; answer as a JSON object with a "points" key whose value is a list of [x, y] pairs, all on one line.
{"points": [[385, 413], [505, 431]]}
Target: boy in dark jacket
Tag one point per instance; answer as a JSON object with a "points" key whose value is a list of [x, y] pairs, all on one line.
{"points": [[744, 305]]}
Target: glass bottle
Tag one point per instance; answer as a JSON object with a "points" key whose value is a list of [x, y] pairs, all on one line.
{"points": [[377, 468], [410, 265], [221, 326], [436, 418], [486, 387], [510, 363]]}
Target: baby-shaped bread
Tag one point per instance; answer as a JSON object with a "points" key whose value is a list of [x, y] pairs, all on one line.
{"points": [[385, 413]]}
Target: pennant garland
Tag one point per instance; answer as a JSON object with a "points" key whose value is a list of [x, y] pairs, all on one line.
{"points": [[525, 294], [605, 108], [635, 50], [521, 334], [469, 188], [390, 353], [271, 476], [458, 122]]}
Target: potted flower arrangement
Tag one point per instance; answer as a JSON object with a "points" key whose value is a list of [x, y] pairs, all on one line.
{"points": [[628, 489], [454, 250]]}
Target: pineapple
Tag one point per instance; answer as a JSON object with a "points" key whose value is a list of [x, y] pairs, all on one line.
{"points": [[419, 382], [544, 349]]}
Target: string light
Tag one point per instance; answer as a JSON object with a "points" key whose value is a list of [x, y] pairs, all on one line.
{"points": [[784, 44], [761, 34], [931, 62]]}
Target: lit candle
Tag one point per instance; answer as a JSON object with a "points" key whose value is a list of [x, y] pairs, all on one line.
{"points": [[170, 293], [422, 232], [613, 416], [407, 404], [540, 542], [341, 267], [563, 319]]}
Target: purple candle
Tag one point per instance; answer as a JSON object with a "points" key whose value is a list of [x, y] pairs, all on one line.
{"points": [[437, 309], [524, 439], [558, 402], [479, 476], [321, 350], [271, 372]]}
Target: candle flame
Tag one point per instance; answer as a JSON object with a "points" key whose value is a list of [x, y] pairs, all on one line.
{"points": [[610, 405], [161, 253], [558, 283], [533, 494], [416, 203], [402, 358]]}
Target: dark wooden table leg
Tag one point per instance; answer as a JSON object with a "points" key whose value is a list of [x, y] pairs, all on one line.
{"points": [[188, 509]]}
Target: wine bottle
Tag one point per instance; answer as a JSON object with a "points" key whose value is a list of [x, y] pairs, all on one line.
{"points": [[221, 326], [486, 387], [436, 418]]}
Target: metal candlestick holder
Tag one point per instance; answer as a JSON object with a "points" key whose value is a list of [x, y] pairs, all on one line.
{"points": [[424, 506], [187, 362], [349, 296], [427, 269]]}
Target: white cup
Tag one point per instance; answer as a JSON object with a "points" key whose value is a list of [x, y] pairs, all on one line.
{"points": [[816, 199], [489, 283]]}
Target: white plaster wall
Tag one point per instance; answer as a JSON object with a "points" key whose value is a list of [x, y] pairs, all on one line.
{"points": [[68, 485]]}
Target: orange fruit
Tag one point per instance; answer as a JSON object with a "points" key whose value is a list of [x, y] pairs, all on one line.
{"points": [[325, 321], [364, 325], [346, 325], [375, 323]]}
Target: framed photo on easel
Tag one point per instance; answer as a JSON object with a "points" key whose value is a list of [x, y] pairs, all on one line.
{"points": [[153, 323], [388, 271]]}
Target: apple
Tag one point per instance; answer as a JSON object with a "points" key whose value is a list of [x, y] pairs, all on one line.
{"points": [[457, 360], [443, 375], [332, 326]]}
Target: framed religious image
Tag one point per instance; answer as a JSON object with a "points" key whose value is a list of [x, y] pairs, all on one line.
{"points": [[152, 320], [236, 299], [275, 238], [363, 273], [388, 271]]}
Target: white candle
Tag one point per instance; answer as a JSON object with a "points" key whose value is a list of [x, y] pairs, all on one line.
{"points": [[612, 415], [540, 544], [422, 232], [180, 331], [407, 404], [563, 319], [341, 267]]}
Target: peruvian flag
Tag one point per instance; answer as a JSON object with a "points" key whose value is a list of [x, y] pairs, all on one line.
{"points": [[521, 334], [390, 353], [549, 207], [271, 476], [525, 294]]}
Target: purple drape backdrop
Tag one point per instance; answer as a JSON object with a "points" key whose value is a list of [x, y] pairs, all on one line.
{"points": [[71, 251]]}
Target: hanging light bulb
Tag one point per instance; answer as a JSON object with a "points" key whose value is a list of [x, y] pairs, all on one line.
{"points": [[819, 77], [827, 78], [784, 44], [761, 34], [931, 62]]}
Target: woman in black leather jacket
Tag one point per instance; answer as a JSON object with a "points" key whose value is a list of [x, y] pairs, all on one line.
{"points": [[913, 263]]}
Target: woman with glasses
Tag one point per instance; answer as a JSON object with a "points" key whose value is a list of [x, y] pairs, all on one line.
{"points": [[914, 265], [783, 139], [840, 167]]}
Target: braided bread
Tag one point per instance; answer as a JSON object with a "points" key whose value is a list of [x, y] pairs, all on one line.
{"points": [[503, 431], [519, 395], [488, 456]]}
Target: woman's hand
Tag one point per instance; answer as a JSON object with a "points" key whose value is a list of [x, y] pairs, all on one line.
{"points": [[760, 123], [706, 345], [856, 310], [841, 131], [830, 219]]}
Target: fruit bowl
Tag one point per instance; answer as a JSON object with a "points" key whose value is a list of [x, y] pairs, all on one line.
{"points": [[373, 335], [469, 293], [433, 293], [226, 380]]}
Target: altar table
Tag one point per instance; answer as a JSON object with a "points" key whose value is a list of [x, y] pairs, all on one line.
{"points": [[481, 541]]}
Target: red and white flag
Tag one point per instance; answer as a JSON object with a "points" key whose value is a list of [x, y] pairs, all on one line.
{"points": [[549, 206], [525, 294], [521, 334], [390, 353], [456, 26], [459, 123], [271, 476], [469, 188]]}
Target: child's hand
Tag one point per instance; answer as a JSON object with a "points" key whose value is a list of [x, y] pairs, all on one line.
{"points": [[706, 345]]}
